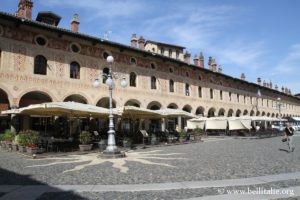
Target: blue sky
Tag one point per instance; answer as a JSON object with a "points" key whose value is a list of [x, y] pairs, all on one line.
{"points": [[260, 38]]}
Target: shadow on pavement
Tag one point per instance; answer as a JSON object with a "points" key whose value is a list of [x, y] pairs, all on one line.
{"points": [[12, 184]]}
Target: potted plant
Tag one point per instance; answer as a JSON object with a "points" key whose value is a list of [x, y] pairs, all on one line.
{"points": [[22, 141], [182, 136], [198, 133], [32, 139], [85, 139], [127, 142], [2, 140], [8, 138]]}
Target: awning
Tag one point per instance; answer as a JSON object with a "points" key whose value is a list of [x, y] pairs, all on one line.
{"points": [[296, 118], [216, 123], [136, 112], [236, 123], [61, 109], [175, 113]]}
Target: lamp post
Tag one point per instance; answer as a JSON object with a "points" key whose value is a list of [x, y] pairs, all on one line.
{"points": [[111, 150], [279, 106], [258, 94]]}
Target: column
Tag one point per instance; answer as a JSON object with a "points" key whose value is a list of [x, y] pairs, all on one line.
{"points": [[163, 124], [179, 123], [13, 124]]}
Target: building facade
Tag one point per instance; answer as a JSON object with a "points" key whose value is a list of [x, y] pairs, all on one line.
{"points": [[40, 62]]}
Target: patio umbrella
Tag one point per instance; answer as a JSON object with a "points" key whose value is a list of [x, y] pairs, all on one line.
{"points": [[175, 113], [136, 112]]}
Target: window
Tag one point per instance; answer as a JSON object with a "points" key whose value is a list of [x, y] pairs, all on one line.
{"points": [[153, 50], [162, 51], [40, 65], [171, 85], [153, 66], [238, 98], [187, 89], [40, 40], [229, 96], [74, 70], [170, 52], [221, 95], [177, 54], [105, 55], [105, 72], [200, 91], [153, 83], [211, 93], [200, 78], [132, 82], [75, 48], [171, 70], [133, 61], [187, 74]]}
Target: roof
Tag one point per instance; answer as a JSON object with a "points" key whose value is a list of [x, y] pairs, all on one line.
{"points": [[164, 44], [95, 40]]}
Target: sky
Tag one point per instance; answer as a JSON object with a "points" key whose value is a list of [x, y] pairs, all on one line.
{"points": [[260, 38]]}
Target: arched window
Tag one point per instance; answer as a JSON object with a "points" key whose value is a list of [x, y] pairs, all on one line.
{"points": [[221, 95], [238, 98], [229, 96], [153, 83], [211, 91], [40, 65], [74, 70], [133, 61], [171, 85], [132, 82], [187, 89], [200, 91], [105, 72]]}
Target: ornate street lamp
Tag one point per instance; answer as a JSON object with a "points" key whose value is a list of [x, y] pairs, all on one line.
{"points": [[279, 106], [111, 150]]}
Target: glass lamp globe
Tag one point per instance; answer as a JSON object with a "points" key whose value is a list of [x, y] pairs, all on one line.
{"points": [[124, 83], [110, 59], [278, 99], [109, 82], [96, 83]]}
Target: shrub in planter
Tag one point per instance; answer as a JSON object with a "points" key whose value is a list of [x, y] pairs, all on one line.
{"points": [[28, 139], [182, 136], [85, 139], [127, 142], [198, 133], [8, 138]]}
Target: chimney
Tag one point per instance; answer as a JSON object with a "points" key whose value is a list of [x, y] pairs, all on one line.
{"points": [[209, 61], [213, 65], [219, 69], [258, 81], [75, 23], [276, 87], [25, 9], [264, 84], [187, 57], [243, 77], [286, 90], [271, 85], [282, 89], [141, 43], [196, 60], [133, 41], [201, 58], [268, 86]]}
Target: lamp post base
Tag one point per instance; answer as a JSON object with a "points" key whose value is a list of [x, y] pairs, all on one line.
{"points": [[112, 154]]}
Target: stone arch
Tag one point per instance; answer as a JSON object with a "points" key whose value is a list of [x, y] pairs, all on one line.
{"points": [[4, 101], [268, 114], [238, 113], [277, 115], [230, 113], [200, 111], [76, 98], [245, 112], [221, 112], [133, 102], [41, 90], [187, 108], [263, 113], [9, 95], [172, 106], [34, 97], [211, 112], [273, 115], [252, 113], [104, 102], [154, 105]]}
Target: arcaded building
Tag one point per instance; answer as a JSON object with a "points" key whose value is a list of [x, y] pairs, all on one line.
{"points": [[41, 62]]}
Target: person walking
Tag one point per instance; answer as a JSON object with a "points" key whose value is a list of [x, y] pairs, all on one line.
{"points": [[289, 132]]}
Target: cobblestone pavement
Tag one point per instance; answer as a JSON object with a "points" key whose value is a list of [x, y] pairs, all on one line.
{"points": [[214, 159]]}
